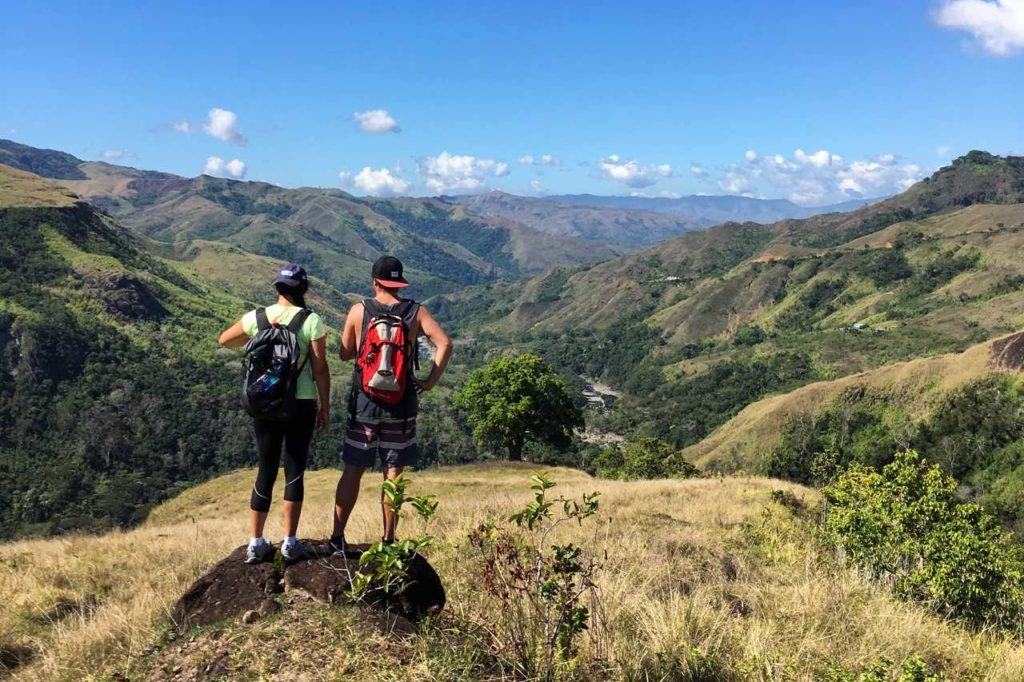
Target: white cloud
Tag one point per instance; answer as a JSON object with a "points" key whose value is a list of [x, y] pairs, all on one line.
{"points": [[815, 178], [449, 173], [220, 123], [942, 150], [114, 154], [376, 121], [632, 173], [218, 167], [750, 156], [542, 160], [537, 188], [997, 25], [377, 183], [698, 171]]}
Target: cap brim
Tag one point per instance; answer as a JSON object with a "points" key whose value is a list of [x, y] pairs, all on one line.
{"points": [[392, 283], [288, 282]]}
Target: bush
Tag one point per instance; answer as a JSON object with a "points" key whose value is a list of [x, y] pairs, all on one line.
{"points": [[905, 527], [646, 458]]}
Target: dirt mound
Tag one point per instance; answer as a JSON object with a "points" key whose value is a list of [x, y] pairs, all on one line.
{"points": [[233, 589], [1008, 352]]}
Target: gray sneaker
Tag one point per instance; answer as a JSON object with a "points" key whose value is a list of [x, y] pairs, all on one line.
{"points": [[260, 552], [295, 551]]}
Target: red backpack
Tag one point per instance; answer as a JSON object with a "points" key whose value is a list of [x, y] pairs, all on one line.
{"points": [[386, 352]]}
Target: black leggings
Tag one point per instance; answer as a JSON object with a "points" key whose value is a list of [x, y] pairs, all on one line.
{"points": [[295, 435]]}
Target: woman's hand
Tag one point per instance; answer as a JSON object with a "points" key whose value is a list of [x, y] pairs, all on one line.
{"points": [[323, 417], [422, 386]]}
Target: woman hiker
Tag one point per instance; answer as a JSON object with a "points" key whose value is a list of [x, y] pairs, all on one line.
{"points": [[291, 427]]}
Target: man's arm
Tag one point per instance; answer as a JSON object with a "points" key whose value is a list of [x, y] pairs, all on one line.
{"points": [[350, 333], [234, 336], [442, 348], [322, 378]]}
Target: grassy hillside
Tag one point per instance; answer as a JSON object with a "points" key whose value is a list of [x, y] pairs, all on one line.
{"points": [[746, 440], [701, 579], [335, 234]]}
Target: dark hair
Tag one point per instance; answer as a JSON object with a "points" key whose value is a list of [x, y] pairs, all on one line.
{"points": [[297, 295]]}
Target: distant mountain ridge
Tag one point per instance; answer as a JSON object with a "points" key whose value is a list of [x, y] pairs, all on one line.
{"points": [[712, 209], [336, 234]]}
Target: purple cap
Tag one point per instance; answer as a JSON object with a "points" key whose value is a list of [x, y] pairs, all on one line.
{"points": [[291, 275]]}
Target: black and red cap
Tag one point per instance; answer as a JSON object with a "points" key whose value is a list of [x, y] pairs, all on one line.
{"points": [[388, 272]]}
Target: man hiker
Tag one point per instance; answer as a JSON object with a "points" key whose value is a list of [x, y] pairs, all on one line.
{"points": [[381, 335]]}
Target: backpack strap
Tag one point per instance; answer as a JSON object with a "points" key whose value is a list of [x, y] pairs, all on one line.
{"points": [[262, 321], [299, 319]]}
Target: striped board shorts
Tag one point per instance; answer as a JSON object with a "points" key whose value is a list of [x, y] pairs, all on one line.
{"points": [[378, 431]]}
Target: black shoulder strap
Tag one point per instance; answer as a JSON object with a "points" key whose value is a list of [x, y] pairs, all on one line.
{"points": [[299, 319], [262, 321]]}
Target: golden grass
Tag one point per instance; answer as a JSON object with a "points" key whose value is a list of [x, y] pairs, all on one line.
{"points": [[695, 574], [19, 189]]}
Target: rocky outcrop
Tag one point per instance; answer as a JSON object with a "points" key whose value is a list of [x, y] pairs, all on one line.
{"points": [[233, 589]]}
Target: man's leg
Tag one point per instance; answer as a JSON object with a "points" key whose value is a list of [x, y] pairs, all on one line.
{"points": [[345, 496], [390, 517]]}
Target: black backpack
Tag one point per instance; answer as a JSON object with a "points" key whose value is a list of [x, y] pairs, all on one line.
{"points": [[272, 367]]}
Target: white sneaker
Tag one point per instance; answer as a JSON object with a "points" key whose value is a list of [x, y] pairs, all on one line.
{"points": [[258, 552]]}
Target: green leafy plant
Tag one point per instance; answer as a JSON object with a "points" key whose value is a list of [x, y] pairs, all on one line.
{"points": [[384, 567], [905, 527], [544, 596]]}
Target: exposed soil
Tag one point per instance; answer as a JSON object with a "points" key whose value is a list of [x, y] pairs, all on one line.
{"points": [[1008, 353], [233, 589]]}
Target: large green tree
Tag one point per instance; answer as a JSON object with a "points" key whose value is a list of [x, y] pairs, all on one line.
{"points": [[516, 399]]}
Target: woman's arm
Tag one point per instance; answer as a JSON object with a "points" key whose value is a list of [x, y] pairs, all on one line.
{"points": [[234, 336], [322, 378]]}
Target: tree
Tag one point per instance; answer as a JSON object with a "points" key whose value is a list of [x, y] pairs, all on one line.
{"points": [[516, 399]]}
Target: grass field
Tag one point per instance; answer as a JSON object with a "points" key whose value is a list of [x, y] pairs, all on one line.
{"points": [[701, 579]]}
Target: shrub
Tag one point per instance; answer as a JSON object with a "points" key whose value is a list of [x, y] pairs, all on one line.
{"points": [[646, 458], [543, 596], [905, 527]]}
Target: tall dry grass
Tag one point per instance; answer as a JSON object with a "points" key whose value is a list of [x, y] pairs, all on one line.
{"points": [[700, 577]]}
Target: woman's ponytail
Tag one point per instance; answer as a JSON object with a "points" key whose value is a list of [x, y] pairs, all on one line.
{"points": [[296, 295]]}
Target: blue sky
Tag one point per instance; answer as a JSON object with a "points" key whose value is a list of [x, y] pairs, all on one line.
{"points": [[658, 98]]}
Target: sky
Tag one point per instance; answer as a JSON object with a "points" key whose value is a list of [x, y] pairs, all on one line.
{"points": [[812, 101]]}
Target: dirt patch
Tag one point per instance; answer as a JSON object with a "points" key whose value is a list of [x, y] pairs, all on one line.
{"points": [[1008, 352], [233, 589], [14, 656]]}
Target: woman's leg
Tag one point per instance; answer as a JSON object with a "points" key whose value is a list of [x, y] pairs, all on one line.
{"points": [[269, 436], [298, 436]]}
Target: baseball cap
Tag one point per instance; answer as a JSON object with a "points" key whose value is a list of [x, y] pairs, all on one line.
{"points": [[388, 272], [292, 275]]}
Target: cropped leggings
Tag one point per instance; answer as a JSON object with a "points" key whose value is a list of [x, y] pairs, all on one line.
{"points": [[294, 435]]}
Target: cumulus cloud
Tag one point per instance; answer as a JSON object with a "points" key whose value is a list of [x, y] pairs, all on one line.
{"points": [[632, 173], [450, 173], [116, 154], [542, 160], [218, 167], [996, 25], [537, 187], [376, 121], [816, 177], [698, 171], [378, 183], [220, 124]]}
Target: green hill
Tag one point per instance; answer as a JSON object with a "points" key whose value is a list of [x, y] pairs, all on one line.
{"points": [[118, 395], [333, 233], [698, 327]]}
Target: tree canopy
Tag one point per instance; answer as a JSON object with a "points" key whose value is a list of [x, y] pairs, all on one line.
{"points": [[516, 399]]}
